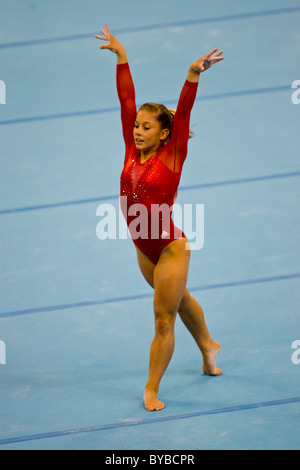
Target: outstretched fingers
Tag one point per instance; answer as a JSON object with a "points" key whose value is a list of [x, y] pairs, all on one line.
{"points": [[106, 35], [211, 58], [112, 44], [209, 54], [106, 32]]}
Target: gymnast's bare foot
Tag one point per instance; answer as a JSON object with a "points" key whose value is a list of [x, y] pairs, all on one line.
{"points": [[209, 359], [152, 403]]}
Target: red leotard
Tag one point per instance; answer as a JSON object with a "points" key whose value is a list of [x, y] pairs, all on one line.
{"points": [[145, 187]]}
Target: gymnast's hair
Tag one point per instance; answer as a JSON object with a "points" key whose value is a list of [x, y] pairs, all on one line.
{"points": [[164, 115]]}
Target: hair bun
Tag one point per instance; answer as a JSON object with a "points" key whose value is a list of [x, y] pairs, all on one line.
{"points": [[173, 112]]}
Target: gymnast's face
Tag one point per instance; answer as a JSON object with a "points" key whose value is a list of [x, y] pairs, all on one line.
{"points": [[148, 134]]}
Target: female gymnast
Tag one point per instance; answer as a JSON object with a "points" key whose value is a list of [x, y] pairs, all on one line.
{"points": [[156, 147]]}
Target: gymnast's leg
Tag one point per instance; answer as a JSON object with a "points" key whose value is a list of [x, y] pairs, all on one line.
{"points": [[168, 278], [192, 316]]}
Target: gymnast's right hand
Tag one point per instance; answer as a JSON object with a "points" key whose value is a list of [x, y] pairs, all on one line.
{"points": [[113, 44]]}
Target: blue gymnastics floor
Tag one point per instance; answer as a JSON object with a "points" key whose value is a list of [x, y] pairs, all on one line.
{"points": [[75, 313]]}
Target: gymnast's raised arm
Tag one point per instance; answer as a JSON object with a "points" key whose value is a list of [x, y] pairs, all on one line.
{"points": [[125, 85]]}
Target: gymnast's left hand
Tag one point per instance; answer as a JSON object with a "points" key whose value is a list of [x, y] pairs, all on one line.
{"points": [[206, 61]]}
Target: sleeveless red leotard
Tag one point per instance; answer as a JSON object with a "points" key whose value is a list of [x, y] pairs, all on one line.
{"points": [[148, 190]]}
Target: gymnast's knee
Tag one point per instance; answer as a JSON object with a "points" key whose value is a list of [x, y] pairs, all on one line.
{"points": [[164, 320], [185, 302]]}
